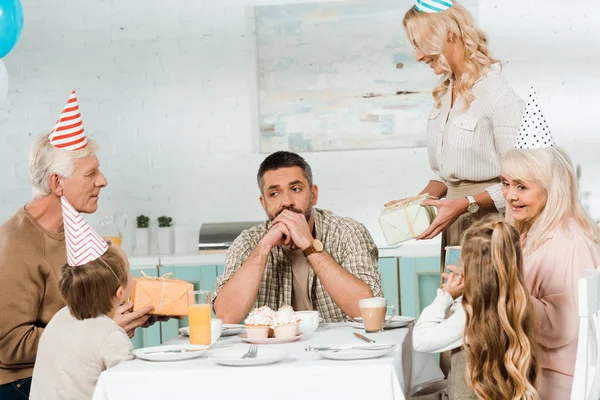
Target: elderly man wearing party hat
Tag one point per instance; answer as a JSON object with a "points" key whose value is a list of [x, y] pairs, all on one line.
{"points": [[32, 247]]}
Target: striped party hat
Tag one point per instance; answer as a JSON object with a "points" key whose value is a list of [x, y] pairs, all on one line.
{"points": [[534, 132], [83, 243], [68, 132], [433, 6]]}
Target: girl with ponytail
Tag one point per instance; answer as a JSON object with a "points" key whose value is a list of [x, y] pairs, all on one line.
{"points": [[499, 333]]}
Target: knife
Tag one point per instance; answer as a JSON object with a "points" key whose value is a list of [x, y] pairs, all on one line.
{"points": [[174, 351], [360, 347], [362, 337]]}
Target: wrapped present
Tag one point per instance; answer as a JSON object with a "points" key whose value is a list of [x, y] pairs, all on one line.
{"points": [[168, 296], [406, 220]]}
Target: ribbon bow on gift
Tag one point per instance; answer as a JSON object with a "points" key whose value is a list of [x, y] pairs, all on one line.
{"points": [[162, 278], [404, 203]]}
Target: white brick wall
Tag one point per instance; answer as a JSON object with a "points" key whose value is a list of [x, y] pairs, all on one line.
{"points": [[168, 90]]}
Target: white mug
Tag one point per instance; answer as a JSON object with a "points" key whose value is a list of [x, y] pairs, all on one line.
{"points": [[216, 326], [309, 321]]}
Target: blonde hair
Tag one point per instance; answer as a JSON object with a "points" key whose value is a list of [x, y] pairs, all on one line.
{"points": [[45, 159], [499, 332], [429, 31], [553, 170], [88, 290]]}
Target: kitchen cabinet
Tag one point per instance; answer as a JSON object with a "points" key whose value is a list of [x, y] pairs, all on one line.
{"points": [[408, 283]]}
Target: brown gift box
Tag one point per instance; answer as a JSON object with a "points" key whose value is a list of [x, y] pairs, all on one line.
{"points": [[168, 296]]}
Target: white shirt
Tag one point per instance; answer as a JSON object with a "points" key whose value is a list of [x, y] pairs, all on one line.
{"points": [[433, 332], [468, 145], [73, 353]]}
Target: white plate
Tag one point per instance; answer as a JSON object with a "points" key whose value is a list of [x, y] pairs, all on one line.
{"points": [[233, 357], [398, 321], [270, 340], [355, 354], [232, 329], [227, 330], [148, 353]]}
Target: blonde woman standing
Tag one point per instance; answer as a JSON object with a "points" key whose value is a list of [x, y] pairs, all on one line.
{"points": [[559, 243], [475, 118]]}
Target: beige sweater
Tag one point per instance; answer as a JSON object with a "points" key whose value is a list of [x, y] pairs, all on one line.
{"points": [[73, 353], [30, 261]]}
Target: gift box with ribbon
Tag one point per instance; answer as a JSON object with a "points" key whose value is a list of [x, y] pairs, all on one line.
{"points": [[168, 296], [406, 220]]}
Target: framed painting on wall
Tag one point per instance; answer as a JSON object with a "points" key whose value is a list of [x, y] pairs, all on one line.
{"points": [[340, 76]]}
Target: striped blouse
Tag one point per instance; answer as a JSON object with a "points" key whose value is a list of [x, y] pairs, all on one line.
{"points": [[468, 145]]}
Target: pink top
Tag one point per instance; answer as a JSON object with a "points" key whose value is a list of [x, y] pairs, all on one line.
{"points": [[551, 275]]}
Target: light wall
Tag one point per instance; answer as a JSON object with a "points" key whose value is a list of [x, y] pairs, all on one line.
{"points": [[168, 89]]}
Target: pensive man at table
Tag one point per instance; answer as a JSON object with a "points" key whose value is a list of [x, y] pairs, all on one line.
{"points": [[301, 256]]}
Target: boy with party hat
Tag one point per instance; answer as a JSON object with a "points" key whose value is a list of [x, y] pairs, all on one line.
{"points": [[32, 246], [82, 339]]}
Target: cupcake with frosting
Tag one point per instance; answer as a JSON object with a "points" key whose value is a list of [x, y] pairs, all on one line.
{"points": [[258, 323], [286, 323]]}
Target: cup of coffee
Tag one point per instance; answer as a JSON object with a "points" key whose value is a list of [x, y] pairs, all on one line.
{"points": [[372, 311], [309, 321]]}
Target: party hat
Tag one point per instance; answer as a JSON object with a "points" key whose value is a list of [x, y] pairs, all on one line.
{"points": [[534, 132], [68, 133], [433, 6], [83, 243]]}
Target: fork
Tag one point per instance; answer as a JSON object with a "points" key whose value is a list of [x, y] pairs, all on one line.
{"points": [[251, 352]]}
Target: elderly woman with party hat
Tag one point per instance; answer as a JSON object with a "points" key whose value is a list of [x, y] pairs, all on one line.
{"points": [[475, 118], [32, 247], [559, 242]]}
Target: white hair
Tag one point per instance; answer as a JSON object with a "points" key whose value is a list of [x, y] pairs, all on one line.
{"points": [[553, 170], [45, 160]]}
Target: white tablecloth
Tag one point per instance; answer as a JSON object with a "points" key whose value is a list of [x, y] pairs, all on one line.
{"points": [[303, 375]]}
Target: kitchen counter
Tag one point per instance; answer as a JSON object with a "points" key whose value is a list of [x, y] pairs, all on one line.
{"points": [[426, 248]]}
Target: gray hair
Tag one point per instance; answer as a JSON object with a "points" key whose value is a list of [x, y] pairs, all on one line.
{"points": [[45, 160]]}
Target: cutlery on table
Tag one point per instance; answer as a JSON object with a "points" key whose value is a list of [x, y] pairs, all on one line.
{"points": [[338, 348], [174, 351], [252, 352], [362, 337]]}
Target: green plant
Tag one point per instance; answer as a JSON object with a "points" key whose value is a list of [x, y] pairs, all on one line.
{"points": [[143, 221], [164, 222]]}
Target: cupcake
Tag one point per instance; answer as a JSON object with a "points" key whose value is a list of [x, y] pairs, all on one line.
{"points": [[286, 323], [258, 323]]}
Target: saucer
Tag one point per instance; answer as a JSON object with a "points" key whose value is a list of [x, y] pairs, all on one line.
{"points": [[270, 340], [398, 321], [356, 353], [233, 357], [162, 353], [226, 330]]}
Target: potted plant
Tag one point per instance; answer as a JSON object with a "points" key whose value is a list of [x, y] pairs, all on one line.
{"points": [[165, 235], [141, 235]]}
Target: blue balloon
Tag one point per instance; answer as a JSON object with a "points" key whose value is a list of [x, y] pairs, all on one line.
{"points": [[11, 24]]}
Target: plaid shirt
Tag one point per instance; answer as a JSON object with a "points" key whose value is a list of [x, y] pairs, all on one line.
{"points": [[346, 240]]}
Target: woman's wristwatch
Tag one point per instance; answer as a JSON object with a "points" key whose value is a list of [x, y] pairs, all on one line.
{"points": [[473, 206]]}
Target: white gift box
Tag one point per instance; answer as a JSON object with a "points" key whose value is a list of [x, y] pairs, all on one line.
{"points": [[406, 220]]}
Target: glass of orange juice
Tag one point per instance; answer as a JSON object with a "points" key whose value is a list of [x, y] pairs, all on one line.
{"points": [[199, 317]]}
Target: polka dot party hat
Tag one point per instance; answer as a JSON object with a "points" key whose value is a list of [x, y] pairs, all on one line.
{"points": [[534, 132]]}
